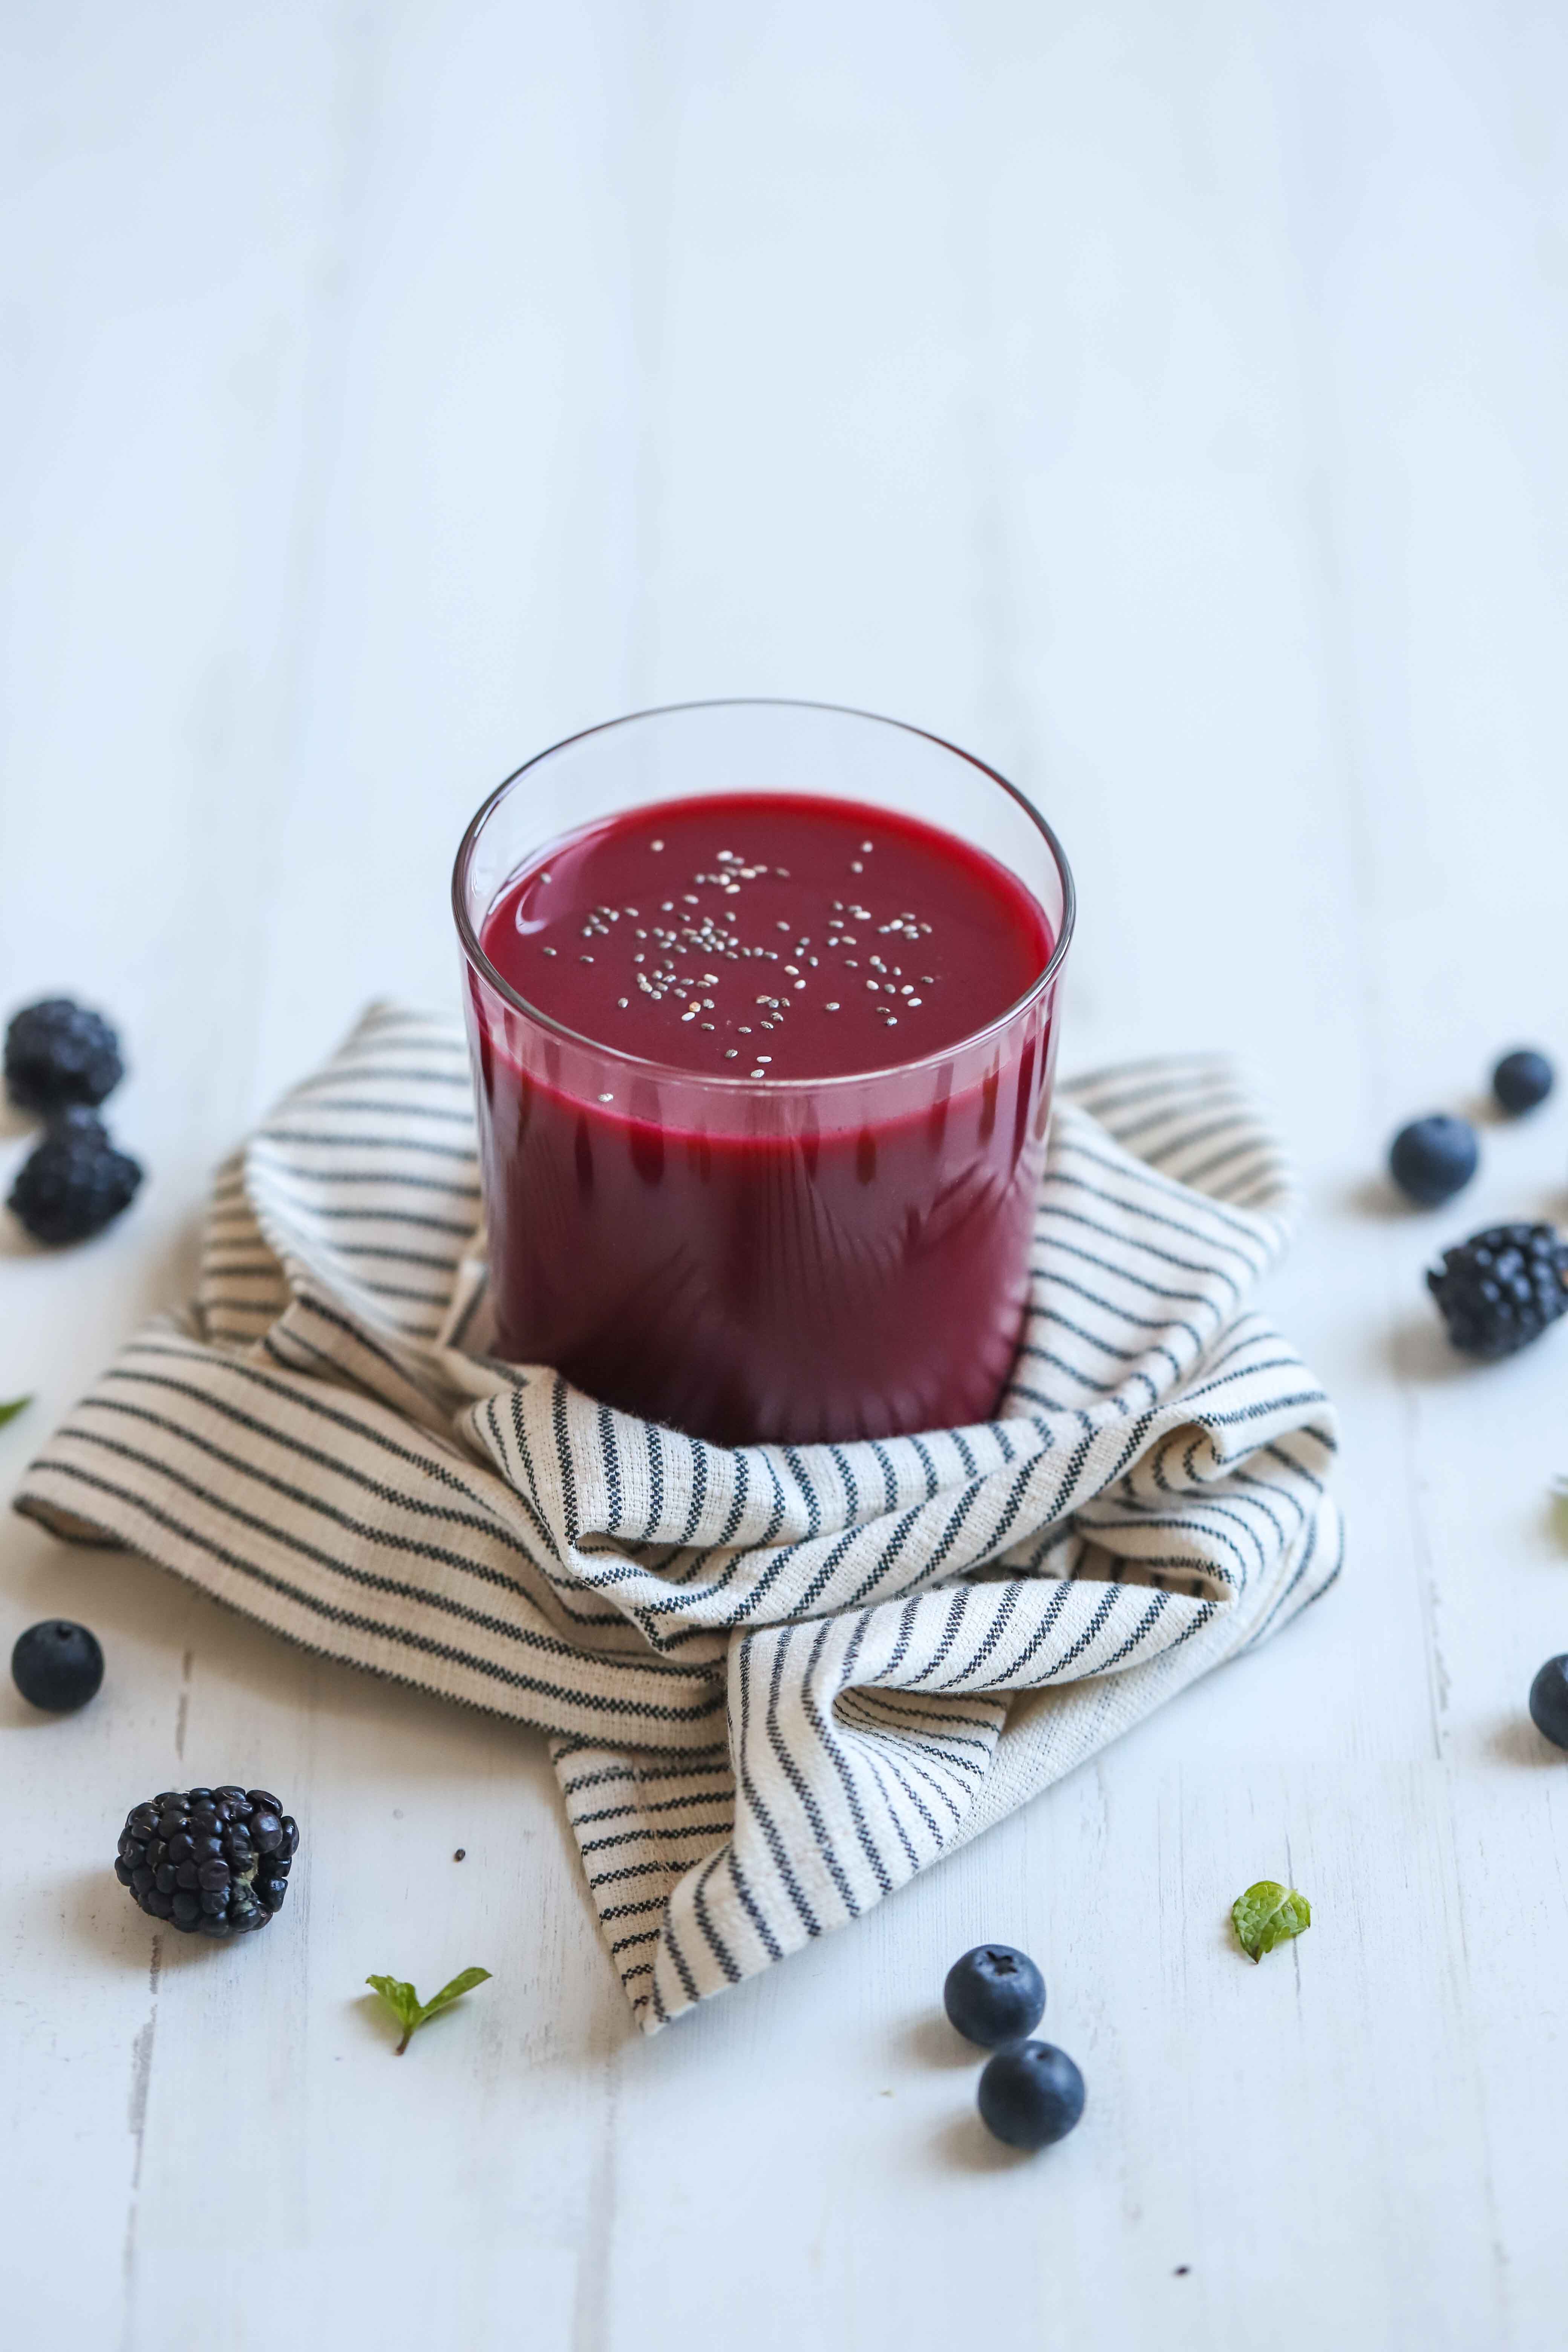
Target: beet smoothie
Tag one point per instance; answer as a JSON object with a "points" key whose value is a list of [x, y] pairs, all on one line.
{"points": [[818, 1252]]}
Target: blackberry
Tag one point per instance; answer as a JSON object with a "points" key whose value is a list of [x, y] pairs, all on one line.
{"points": [[75, 1182], [1521, 1079], [57, 1665], [58, 1053], [213, 1860], [993, 1995], [1501, 1289], [1433, 1159]]}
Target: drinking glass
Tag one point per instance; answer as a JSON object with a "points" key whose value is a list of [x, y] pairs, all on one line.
{"points": [[743, 1258]]}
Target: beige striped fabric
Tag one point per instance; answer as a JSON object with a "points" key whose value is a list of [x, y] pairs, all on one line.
{"points": [[777, 1681]]}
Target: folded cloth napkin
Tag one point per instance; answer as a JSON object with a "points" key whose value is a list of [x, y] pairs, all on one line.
{"points": [[779, 1680]]}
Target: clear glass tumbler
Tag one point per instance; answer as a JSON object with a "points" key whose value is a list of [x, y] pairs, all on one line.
{"points": [[760, 1259]]}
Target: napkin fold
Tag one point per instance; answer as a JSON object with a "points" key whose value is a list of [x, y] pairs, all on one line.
{"points": [[777, 1681]]}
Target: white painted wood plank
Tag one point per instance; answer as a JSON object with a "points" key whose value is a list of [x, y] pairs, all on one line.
{"points": [[164, 191], [1163, 407]]}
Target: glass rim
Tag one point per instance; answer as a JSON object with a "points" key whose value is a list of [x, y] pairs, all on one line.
{"points": [[474, 953]]}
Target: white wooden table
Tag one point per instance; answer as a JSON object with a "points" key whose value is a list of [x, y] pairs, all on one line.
{"points": [[1165, 402]]}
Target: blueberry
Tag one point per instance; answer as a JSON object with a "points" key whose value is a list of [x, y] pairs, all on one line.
{"points": [[994, 1994], [1521, 1079], [1433, 1159], [1549, 1702], [57, 1665], [1031, 2094]]}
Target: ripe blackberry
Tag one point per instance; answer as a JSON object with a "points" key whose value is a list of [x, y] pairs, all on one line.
{"points": [[1501, 1289], [75, 1182], [214, 1860], [58, 1053]]}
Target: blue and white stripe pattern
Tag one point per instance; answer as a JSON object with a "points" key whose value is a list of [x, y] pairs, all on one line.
{"points": [[780, 1680]]}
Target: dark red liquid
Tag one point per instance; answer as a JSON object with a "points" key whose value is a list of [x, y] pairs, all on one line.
{"points": [[834, 1260]]}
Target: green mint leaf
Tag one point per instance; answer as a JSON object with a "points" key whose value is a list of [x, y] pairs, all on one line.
{"points": [[410, 2012], [401, 1999], [17, 1406], [453, 1991], [403, 2002], [1268, 1914]]}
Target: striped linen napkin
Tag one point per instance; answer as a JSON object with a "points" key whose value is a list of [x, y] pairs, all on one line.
{"points": [[777, 1681]]}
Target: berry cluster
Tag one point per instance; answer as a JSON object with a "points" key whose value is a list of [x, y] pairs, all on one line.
{"points": [[214, 1860], [62, 1061], [1436, 1157], [1502, 1288], [1030, 2092]]}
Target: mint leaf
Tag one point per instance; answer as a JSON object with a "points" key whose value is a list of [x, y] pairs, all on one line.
{"points": [[454, 1991], [410, 2012], [403, 2002], [17, 1406], [1268, 1914]]}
